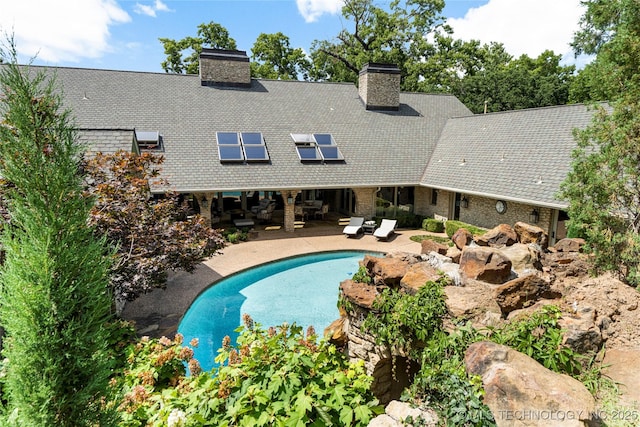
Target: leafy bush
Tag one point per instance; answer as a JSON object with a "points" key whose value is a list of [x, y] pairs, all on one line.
{"points": [[235, 235], [433, 225], [402, 321], [361, 276], [277, 376], [452, 226], [539, 336]]}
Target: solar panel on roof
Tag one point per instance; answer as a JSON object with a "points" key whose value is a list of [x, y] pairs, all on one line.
{"points": [[238, 147], [308, 154], [230, 153], [331, 152], [256, 153], [228, 138], [252, 138], [324, 139]]}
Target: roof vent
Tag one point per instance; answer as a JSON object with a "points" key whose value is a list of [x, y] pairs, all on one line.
{"points": [[379, 86], [219, 67]]}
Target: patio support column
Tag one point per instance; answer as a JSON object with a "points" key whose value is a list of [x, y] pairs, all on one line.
{"points": [[289, 197], [365, 201], [205, 211]]}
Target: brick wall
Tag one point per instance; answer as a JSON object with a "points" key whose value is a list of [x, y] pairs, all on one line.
{"points": [[365, 202]]}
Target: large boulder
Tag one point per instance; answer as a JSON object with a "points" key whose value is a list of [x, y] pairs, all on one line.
{"points": [[622, 367], [336, 332], [486, 264], [528, 233], [445, 265], [387, 271], [523, 292], [358, 293], [462, 237], [521, 392], [429, 246], [569, 244], [417, 275], [474, 302], [502, 235], [581, 333], [524, 258]]}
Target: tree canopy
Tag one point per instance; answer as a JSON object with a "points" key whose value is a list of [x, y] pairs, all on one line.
{"points": [[603, 188], [411, 34], [182, 55]]}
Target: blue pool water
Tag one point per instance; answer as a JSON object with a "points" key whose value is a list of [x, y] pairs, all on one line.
{"points": [[301, 290]]}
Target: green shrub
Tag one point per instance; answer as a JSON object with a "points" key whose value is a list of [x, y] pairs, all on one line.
{"points": [[361, 276], [433, 225], [452, 226], [278, 376], [55, 291]]}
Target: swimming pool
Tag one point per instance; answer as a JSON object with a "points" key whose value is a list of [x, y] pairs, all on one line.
{"points": [[301, 290]]}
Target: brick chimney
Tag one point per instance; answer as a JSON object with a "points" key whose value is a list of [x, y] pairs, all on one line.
{"points": [[379, 86], [219, 67]]}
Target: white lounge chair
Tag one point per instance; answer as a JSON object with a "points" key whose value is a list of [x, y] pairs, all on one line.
{"points": [[354, 227], [387, 229]]}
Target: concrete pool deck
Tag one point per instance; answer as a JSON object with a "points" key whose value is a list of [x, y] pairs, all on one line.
{"points": [[159, 312]]}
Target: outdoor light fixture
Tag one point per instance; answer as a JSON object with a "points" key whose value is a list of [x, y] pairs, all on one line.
{"points": [[534, 216], [205, 202], [290, 200], [464, 202]]}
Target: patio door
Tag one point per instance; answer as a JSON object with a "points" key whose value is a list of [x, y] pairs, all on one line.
{"points": [[455, 208]]}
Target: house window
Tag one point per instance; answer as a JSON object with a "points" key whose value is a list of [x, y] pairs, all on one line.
{"points": [[434, 196]]}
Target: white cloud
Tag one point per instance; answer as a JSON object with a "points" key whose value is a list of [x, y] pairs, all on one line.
{"points": [[144, 9], [311, 10], [524, 26], [61, 30]]}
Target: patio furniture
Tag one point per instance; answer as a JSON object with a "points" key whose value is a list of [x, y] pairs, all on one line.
{"points": [[322, 212], [369, 227], [354, 227], [265, 215], [387, 229], [243, 222], [298, 211], [262, 205]]}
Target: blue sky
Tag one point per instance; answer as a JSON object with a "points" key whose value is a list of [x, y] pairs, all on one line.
{"points": [[123, 34]]}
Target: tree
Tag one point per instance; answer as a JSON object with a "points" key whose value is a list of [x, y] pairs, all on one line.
{"points": [[152, 234], [603, 188], [183, 55], [506, 84], [397, 36], [273, 58], [54, 293]]}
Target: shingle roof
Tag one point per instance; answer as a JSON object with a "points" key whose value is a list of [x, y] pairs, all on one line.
{"points": [[519, 155], [380, 148], [107, 140]]}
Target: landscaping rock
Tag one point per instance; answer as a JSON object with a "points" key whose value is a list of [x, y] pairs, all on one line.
{"points": [[521, 392], [486, 264], [445, 265], [474, 302], [581, 333], [417, 276], [569, 245], [358, 293], [336, 332], [454, 253], [429, 245], [622, 367], [528, 233], [524, 258], [462, 237], [523, 292], [397, 414], [502, 235], [387, 271]]}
